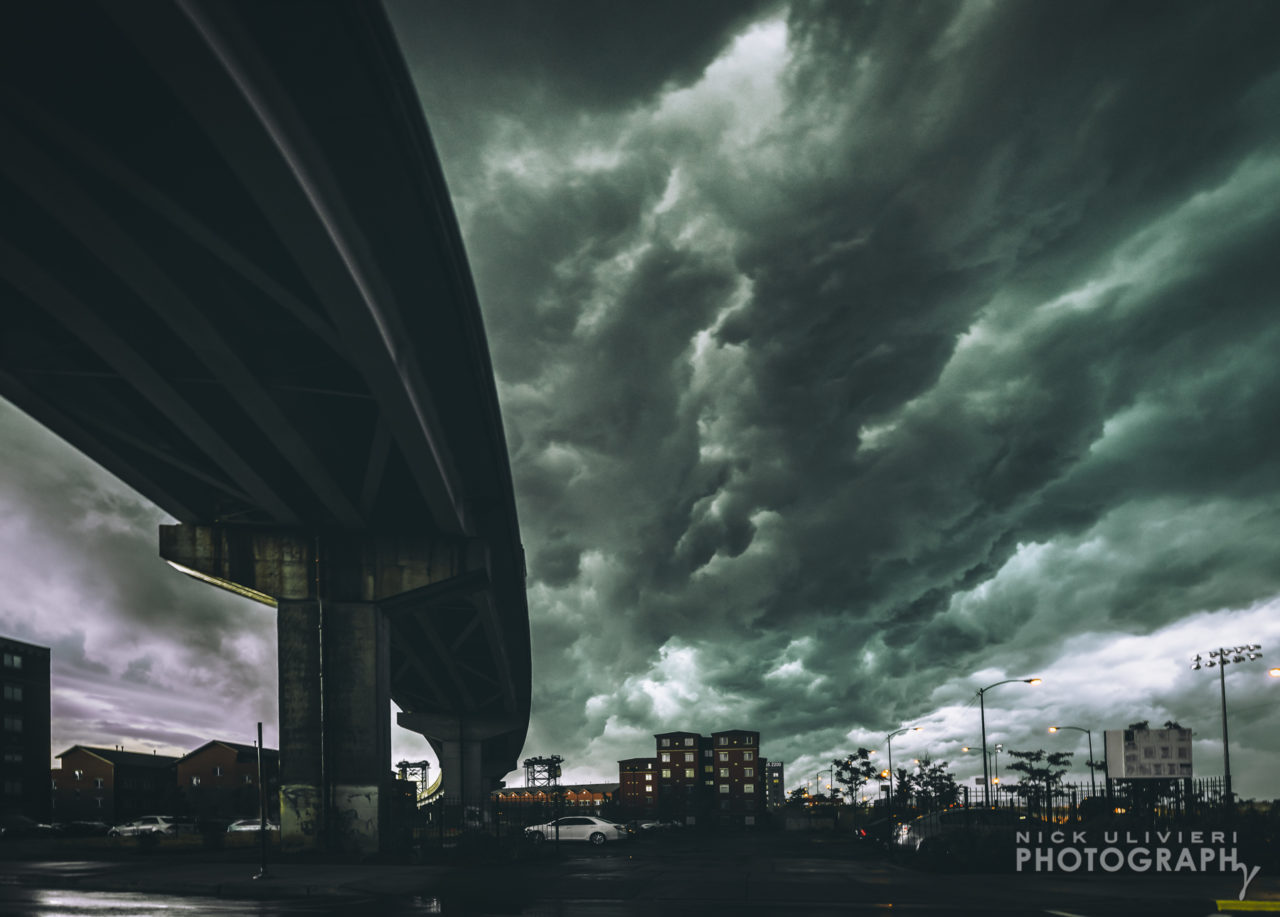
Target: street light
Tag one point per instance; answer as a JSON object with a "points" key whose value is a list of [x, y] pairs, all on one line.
{"points": [[982, 707], [1093, 786], [889, 742], [1221, 658]]}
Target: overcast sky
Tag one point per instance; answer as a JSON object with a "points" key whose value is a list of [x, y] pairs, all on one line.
{"points": [[851, 358]]}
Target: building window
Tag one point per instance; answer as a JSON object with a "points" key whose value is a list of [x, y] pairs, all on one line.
{"points": [[724, 756], [248, 779], [666, 743], [748, 756], [79, 774], [748, 772], [97, 783], [666, 757], [195, 780], [13, 692], [217, 771], [13, 723], [12, 661], [688, 756], [53, 784], [724, 788], [748, 788], [15, 757], [688, 740], [648, 776], [688, 772], [648, 789], [724, 772], [98, 800], [722, 740], [13, 787], [666, 772], [709, 769]]}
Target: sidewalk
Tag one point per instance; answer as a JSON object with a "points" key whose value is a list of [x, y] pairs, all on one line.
{"points": [[167, 876]]}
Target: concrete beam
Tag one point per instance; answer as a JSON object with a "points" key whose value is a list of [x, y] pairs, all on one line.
{"points": [[269, 565]]}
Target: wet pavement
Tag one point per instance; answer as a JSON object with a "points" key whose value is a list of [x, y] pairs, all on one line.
{"points": [[672, 875]]}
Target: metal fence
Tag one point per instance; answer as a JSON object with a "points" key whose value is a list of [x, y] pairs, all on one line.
{"points": [[1152, 801]]}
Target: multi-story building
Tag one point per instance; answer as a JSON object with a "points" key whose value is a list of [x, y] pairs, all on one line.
{"points": [[738, 781], [637, 785], [24, 740], [693, 777], [220, 779], [112, 785], [775, 794], [680, 775]]}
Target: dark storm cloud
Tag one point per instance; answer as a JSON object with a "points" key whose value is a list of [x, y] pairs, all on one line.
{"points": [[83, 577], [864, 335]]}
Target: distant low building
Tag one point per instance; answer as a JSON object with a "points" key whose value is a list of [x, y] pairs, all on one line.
{"points": [[112, 785], [1148, 753], [220, 780], [24, 739], [575, 796]]}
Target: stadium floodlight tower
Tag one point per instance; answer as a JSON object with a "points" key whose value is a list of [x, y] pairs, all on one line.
{"points": [[1220, 659]]}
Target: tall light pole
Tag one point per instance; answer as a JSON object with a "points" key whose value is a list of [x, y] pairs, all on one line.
{"points": [[982, 707], [1221, 658], [889, 742], [1093, 786]]}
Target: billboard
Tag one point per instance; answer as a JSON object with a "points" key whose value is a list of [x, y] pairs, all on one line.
{"points": [[1136, 754]]}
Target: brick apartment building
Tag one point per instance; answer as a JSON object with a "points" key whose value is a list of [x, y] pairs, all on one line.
{"points": [[111, 785], [220, 780], [696, 779], [24, 739], [637, 785]]}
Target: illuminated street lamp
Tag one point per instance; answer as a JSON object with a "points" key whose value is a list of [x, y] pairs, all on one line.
{"points": [[982, 706], [1221, 658], [889, 742], [1093, 786]]}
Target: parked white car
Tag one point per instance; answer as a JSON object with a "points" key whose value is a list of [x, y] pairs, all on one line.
{"points": [[578, 828], [250, 824], [147, 824]]}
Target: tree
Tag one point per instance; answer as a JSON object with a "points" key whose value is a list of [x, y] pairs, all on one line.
{"points": [[853, 771], [798, 797], [1043, 771], [932, 786]]}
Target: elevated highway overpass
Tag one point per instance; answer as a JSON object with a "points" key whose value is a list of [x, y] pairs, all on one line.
{"points": [[231, 274]]}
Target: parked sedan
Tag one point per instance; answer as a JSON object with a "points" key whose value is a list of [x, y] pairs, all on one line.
{"points": [[577, 828], [147, 824], [250, 824]]}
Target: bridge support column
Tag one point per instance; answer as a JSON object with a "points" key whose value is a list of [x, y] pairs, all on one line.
{"points": [[335, 725], [301, 767], [357, 724]]}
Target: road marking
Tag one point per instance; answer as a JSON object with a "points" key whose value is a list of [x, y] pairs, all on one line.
{"points": [[1064, 914], [1230, 904]]}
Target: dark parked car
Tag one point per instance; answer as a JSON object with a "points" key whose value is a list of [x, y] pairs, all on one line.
{"points": [[963, 837], [17, 826]]}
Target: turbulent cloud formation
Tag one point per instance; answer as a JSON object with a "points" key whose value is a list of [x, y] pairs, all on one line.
{"points": [[851, 357], [886, 349]]}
